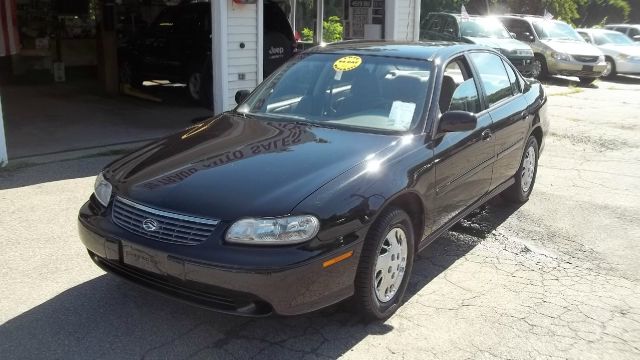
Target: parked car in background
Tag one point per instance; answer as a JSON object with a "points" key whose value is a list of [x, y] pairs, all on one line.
{"points": [[482, 30], [177, 47], [621, 53], [365, 152], [631, 30], [557, 47]]}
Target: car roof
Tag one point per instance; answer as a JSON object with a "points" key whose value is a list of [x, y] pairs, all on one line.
{"points": [[427, 50], [601, 31], [530, 18], [624, 25]]}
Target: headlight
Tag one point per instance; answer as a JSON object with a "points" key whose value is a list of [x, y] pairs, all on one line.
{"points": [[562, 56], [273, 231], [102, 190]]}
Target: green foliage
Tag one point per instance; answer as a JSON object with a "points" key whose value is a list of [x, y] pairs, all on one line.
{"points": [[307, 34], [332, 29]]}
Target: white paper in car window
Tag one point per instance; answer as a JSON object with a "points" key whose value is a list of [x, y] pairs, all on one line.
{"points": [[401, 114]]}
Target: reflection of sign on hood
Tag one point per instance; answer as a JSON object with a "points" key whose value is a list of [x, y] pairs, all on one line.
{"points": [[286, 135]]}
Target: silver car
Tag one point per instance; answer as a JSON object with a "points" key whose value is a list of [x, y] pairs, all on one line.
{"points": [[558, 48], [631, 30], [622, 55]]}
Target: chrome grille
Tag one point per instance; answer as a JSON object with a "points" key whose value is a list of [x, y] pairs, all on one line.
{"points": [[588, 59], [169, 227]]}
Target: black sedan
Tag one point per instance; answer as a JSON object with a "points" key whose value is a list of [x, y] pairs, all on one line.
{"points": [[324, 182]]}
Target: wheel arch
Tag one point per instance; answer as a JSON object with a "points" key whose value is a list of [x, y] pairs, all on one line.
{"points": [[412, 204]]}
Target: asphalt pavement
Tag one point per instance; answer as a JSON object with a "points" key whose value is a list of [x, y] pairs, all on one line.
{"points": [[558, 277]]}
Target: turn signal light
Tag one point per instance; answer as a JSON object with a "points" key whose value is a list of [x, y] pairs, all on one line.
{"points": [[337, 259]]}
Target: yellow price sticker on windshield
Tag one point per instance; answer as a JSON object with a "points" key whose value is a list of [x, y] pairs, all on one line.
{"points": [[347, 63]]}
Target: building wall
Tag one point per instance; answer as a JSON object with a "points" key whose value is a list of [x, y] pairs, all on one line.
{"points": [[242, 27]]}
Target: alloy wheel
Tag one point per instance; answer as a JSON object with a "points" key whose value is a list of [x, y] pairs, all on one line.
{"points": [[390, 265], [536, 68], [528, 168], [608, 69]]}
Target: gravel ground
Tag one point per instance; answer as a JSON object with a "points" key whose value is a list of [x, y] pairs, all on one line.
{"points": [[556, 278]]}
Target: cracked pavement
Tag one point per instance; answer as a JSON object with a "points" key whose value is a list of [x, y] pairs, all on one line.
{"points": [[558, 277]]}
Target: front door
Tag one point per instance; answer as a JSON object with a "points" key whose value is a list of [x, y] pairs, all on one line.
{"points": [[464, 160]]}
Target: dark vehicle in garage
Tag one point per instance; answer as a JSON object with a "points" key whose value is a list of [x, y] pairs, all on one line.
{"points": [[482, 30], [324, 182], [177, 47]]}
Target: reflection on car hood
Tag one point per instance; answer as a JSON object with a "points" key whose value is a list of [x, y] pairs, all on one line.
{"points": [[502, 44], [233, 166], [573, 47]]}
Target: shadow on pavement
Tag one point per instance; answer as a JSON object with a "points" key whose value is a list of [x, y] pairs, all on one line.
{"points": [[563, 81], [109, 318]]}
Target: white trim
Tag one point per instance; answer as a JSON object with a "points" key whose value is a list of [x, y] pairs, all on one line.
{"points": [[390, 20], [219, 14], [416, 20], [260, 44], [4, 158]]}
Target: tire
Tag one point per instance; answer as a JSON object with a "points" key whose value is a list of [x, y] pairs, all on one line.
{"points": [[526, 175], [379, 294], [128, 75], [587, 80], [610, 72], [540, 69], [194, 83]]}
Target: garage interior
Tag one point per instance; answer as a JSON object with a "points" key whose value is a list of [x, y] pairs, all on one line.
{"points": [[60, 91]]}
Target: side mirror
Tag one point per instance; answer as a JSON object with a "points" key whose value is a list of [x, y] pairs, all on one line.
{"points": [[528, 37], [457, 121], [241, 95]]}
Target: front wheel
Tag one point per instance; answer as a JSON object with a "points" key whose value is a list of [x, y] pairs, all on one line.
{"points": [[385, 265], [526, 176], [539, 67], [610, 70]]}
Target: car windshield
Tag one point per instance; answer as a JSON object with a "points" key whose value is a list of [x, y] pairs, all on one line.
{"points": [[484, 28], [555, 30], [614, 38], [339, 90]]}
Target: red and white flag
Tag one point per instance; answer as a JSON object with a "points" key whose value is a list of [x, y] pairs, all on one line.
{"points": [[9, 41], [548, 15]]}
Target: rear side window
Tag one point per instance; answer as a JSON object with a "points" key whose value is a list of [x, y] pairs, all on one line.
{"points": [[434, 24], [515, 85], [451, 28], [493, 76], [521, 28], [633, 32]]}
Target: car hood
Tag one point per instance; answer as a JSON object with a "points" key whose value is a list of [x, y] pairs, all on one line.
{"points": [[234, 166], [631, 50], [572, 47], [502, 44]]}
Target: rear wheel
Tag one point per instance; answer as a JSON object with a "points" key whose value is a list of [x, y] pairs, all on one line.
{"points": [[385, 265], [526, 176]]}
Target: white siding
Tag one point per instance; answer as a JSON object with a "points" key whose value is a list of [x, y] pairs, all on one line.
{"points": [[242, 27], [402, 20]]}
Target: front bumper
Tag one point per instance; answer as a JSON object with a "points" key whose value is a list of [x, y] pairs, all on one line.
{"points": [[293, 289], [524, 65], [575, 68]]}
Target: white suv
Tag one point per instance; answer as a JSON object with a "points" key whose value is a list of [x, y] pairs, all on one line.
{"points": [[557, 47]]}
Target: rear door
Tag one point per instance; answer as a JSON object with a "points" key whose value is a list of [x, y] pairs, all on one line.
{"points": [[507, 107], [464, 160]]}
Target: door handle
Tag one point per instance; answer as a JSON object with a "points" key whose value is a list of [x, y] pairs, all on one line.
{"points": [[524, 115], [487, 135]]}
